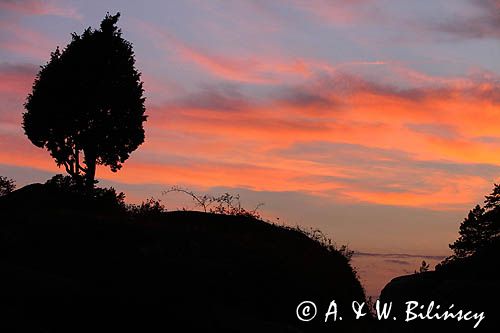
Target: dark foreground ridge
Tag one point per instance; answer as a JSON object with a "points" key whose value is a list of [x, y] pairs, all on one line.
{"points": [[77, 265]]}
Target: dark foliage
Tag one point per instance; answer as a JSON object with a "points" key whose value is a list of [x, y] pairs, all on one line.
{"points": [[480, 228], [87, 102], [6, 185], [149, 209], [323, 240], [98, 197]]}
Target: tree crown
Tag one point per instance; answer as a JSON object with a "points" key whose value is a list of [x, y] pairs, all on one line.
{"points": [[88, 99]]}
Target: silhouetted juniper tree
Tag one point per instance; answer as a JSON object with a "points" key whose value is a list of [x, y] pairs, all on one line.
{"points": [[87, 104]]}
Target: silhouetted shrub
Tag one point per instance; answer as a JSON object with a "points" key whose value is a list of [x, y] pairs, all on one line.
{"points": [[424, 267], [6, 185], [319, 237], [226, 204], [64, 183], [103, 198], [147, 209], [108, 197]]}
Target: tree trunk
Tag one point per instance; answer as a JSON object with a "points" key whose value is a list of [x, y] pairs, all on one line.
{"points": [[90, 161], [77, 162]]}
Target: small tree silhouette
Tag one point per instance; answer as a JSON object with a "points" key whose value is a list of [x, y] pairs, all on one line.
{"points": [[6, 185], [424, 267], [480, 227], [88, 99]]}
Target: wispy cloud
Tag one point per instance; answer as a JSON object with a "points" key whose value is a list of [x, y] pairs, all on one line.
{"points": [[377, 269], [481, 21], [40, 7], [251, 68], [25, 42], [16, 79], [246, 69], [398, 255], [15, 83]]}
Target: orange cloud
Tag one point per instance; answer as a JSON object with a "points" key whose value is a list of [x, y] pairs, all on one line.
{"points": [[221, 136], [450, 193], [16, 150], [430, 124]]}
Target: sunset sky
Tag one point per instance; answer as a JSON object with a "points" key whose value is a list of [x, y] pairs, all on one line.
{"points": [[375, 121]]}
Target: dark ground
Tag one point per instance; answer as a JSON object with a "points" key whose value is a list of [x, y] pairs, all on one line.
{"points": [[76, 265], [73, 264]]}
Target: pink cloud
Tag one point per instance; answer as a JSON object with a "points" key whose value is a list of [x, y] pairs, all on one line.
{"points": [[16, 80], [338, 12], [38, 7], [252, 68], [26, 42]]}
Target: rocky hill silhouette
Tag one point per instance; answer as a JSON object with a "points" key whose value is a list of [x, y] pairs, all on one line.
{"points": [[80, 263]]}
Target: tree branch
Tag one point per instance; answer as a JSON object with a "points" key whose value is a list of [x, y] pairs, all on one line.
{"points": [[69, 169]]}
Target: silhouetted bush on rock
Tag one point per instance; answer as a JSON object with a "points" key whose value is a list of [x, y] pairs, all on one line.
{"points": [[74, 265], [468, 280]]}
